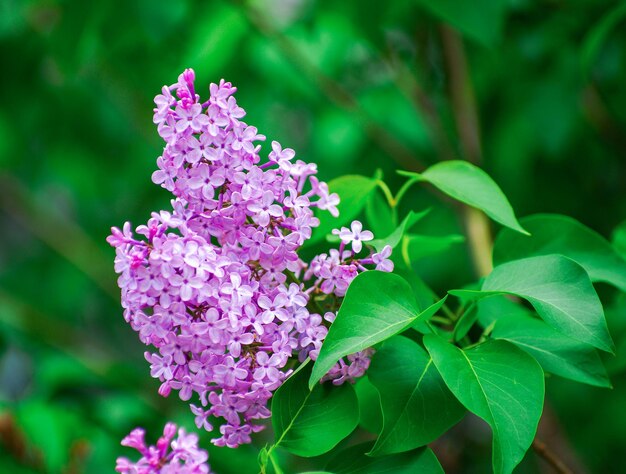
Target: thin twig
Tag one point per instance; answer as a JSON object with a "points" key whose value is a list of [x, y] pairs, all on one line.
{"points": [[462, 95], [16, 445], [550, 457]]}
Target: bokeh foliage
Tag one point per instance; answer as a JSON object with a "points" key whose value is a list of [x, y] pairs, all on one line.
{"points": [[354, 86]]}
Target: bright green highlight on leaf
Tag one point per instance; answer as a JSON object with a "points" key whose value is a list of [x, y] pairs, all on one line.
{"points": [[417, 405], [353, 191], [354, 460], [311, 422], [471, 185], [377, 305], [501, 384], [560, 291], [557, 354], [556, 234]]}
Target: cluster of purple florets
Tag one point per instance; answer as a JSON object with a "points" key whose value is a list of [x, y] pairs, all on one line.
{"points": [[168, 456], [216, 284]]}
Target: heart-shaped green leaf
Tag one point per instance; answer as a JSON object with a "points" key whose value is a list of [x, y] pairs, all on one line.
{"points": [[312, 422], [560, 291], [369, 406], [354, 460], [417, 405], [501, 384], [555, 352], [377, 305]]}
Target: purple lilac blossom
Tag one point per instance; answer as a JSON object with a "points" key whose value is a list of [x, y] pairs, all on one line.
{"points": [[355, 235], [215, 284], [168, 456]]}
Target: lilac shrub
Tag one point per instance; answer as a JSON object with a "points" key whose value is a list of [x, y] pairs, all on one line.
{"points": [[215, 284]]}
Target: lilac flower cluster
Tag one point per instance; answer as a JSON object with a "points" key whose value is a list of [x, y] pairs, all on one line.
{"points": [[216, 284], [184, 457]]}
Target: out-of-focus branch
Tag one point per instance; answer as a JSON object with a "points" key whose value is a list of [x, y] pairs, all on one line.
{"points": [[466, 117], [16, 445], [548, 455], [462, 95]]}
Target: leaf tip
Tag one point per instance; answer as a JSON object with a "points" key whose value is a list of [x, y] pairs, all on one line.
{"points": [[409, 174]]}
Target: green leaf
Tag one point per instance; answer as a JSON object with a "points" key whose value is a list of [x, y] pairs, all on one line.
{"points": [[481, 20], [560, 291], [354, 460], [417, 405], [424, 295], [353, 191], [377, 305], [556, 353], [393, 239], [556, 234], [469, 184], [428, 313], [465, 322], [371, 416], [496, 307], [501, 384], [311, 422]]}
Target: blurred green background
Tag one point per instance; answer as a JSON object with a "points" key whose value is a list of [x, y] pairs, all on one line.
{"points": [[354, 86]]}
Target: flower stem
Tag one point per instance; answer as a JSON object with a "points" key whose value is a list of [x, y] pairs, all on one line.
{"points": [[387, 192], [403, 189]]}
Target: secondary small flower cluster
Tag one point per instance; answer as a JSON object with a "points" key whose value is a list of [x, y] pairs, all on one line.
{"points": [[216, 284], [168, 456]]}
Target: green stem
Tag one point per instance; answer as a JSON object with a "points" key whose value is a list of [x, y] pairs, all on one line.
{"points": [[387, 192], [403, 189], [390, 200], [439, 319], [445, 307]]}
